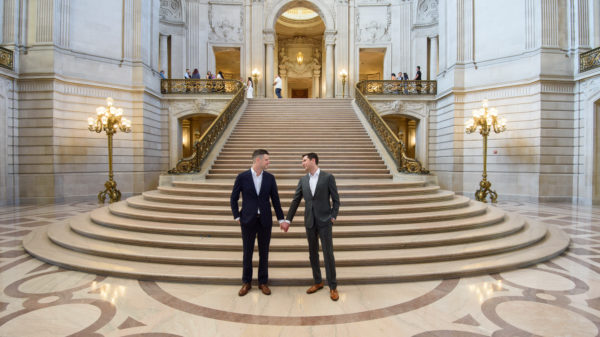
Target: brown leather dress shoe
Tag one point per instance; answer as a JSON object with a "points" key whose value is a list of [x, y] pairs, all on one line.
{"points": [[265, 289], [314, 288], [334, 295], [245, 289]]}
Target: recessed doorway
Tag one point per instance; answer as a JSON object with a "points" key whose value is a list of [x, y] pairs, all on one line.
{"points": [[227, 60], [371, 63]]}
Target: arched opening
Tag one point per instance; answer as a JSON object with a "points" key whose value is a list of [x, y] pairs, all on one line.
{"points": [[299, 44], [192, 128], [405, 127]]}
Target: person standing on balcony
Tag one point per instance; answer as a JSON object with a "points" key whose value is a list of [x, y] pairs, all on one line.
{"points": [[256, 186], [196, 74], [249, 88], [277, 85], [187, 74]]}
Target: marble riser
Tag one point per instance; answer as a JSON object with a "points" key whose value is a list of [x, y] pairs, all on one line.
{"points": [[121, 209], [139, 202], [289, 193], [299, 172], [231, 229], [294, 256], [296, 176], [285, 241], [278, 165], [156, 196], [296, 161], [343, 185], [238, 155], [554, 243]]}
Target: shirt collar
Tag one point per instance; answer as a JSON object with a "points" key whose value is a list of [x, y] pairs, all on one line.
{"points": [[254, 173], [316, 173]]}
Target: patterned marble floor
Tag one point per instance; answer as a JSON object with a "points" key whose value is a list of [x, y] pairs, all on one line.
{"points": [[557, 298]]}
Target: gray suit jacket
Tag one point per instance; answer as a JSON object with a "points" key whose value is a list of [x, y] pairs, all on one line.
{"points": [[317, 207]]}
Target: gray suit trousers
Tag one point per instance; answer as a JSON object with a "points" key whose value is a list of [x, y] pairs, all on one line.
{"points": [[313, 234]]}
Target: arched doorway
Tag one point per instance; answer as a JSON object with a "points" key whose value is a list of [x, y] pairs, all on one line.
{"points": [[312, 35], [299, 43]]}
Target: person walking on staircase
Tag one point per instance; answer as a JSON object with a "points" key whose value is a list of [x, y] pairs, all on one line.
{"points": [[277, 84], [255, 218], [322, 204]]}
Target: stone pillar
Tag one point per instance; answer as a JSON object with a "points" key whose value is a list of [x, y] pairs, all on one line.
{"points": [[330, 70], [315, 88], [164, 54], [433, 58], [284, 83], [269, 38]]}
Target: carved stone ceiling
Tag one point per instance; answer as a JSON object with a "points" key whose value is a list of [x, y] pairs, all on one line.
{"points": [[313, 28]]}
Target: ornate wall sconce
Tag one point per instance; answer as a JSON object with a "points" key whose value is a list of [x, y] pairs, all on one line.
{"points": [[343, 75], [110, 120], [255, 74], [486, 120], [300, 57]]}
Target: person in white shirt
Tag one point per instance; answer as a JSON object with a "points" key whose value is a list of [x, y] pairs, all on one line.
{"points": [[277, 85], [249, 88], [187, 74]]}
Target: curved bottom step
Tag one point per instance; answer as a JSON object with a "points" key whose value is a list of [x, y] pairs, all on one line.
{"points": [[38, 244]]}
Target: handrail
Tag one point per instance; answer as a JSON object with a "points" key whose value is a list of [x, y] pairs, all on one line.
{"points": [[199, 86], [202, 147], [6, 58], [394, 145], [589, 60], [398, 87]]}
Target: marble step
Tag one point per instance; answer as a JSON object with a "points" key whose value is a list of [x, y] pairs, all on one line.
{"points": [[276, 164], [288, 192], [103, 241], [296, 176], [294, 160], [297, 156], [299, 171], [83, 225], [450, 213], [38, 244], [343, 185], [157, 196], [226, 227], [367, 209]]}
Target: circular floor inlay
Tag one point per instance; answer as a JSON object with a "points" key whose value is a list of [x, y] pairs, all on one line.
{"points": [[66, 320], [48, 299], [55, 282], [545, 320], [336, 315], [538, 279]]}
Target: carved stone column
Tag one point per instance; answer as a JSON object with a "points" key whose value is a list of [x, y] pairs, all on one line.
{"points": [[164, 54], [269, 39], [329, 70], [284, 83], [433, 57], [315, 88]]}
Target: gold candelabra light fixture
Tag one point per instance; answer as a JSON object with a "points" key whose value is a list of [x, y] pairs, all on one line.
{"points": [[110, 120], [486, 120], [255, 74], [299, 57], [343, 75]]}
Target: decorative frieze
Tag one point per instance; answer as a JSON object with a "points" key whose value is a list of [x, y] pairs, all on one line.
{"points": [[226, 22], [371, 29], [427, 12], [171, 11]]}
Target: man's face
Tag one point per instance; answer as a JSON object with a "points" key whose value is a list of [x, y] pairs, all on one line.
{"points": [[263, 161], [308, 164]]}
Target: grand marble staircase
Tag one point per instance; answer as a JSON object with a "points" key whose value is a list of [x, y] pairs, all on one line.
{"points": [[387, 230]]}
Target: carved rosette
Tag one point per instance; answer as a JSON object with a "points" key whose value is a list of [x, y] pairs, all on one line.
{"points": [[170, 10], [427, 12]]}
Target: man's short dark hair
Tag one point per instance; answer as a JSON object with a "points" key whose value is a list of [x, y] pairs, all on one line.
{"points": [[418, 67], [259, 153], [311, 156]]}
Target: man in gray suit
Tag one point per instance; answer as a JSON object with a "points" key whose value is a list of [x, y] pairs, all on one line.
{"points": [[317, 188]]}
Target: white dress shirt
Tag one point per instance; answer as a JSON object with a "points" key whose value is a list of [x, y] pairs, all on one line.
{"points": [[257, 181], [312, 181]]}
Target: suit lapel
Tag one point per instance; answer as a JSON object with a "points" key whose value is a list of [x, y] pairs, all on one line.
{"points": [[306, 185], [263, 183]]}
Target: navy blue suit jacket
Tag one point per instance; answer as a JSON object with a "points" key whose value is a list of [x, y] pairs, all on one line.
{"points": [[251, 202]]}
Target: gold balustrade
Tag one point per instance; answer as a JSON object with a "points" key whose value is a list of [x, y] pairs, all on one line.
{"points": [[589, 60], [202, 147], [199, 86], [399, 87], [6, 58], [394, 145]]}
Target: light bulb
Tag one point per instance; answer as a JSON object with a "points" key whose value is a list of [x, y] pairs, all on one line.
{"points": [[119, 112], [113, 110], [100, 110], [104, 120], [90, 121], [109, 101], [484, 103]]}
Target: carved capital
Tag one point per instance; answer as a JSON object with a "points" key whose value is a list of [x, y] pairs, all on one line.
{"points": [[330, 37], [269, 36]]}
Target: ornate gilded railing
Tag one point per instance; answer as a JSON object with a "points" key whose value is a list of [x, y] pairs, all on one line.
{"points": [[198, 86], [6, 58], [408, 87], [393, 144], [203, 146], [589, 60]]}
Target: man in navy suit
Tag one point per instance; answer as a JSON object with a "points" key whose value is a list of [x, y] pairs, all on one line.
{"points": [[256, 186]]}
